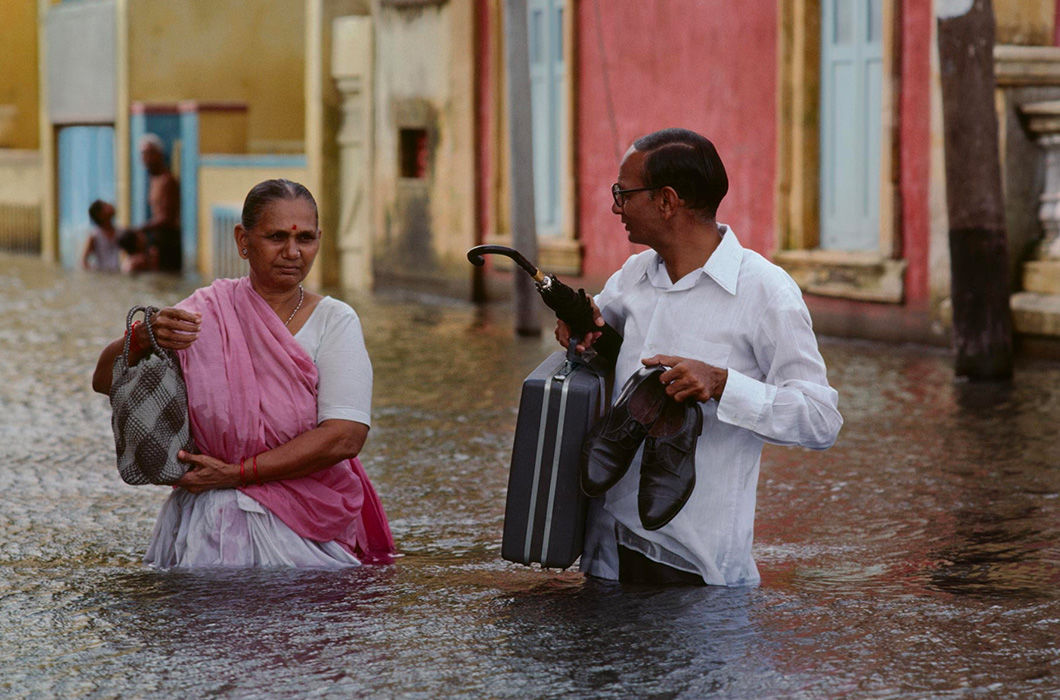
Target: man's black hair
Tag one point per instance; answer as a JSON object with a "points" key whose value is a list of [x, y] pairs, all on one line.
{"points": [[687, 162]]}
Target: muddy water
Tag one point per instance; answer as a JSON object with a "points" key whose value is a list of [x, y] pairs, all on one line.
{"points": [[918, 557]]}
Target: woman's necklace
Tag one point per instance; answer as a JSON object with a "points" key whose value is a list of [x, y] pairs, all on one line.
{"points": [[301, 298]]}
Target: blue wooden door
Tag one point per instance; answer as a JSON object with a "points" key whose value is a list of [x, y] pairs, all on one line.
{"points": [[851, 105], [548, 79], [86, 173]]}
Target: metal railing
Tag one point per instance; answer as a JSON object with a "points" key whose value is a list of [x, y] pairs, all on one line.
{"points": [[226, 260], [20, 228]]}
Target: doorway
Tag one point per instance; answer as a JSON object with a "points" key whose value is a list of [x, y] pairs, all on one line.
{"points": [[86, 173]]}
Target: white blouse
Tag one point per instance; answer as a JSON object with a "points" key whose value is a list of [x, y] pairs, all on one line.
{"points": [[740, 312], [333, 338]]}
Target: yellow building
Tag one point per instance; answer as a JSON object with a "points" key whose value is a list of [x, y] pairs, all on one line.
{"points": [[326, 92], [20, 162]]}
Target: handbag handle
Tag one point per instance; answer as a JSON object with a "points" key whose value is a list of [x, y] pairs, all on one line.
{"points": [[148, 311]]}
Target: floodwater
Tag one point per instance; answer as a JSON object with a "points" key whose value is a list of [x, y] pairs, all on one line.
{"points": [[919, 557]]}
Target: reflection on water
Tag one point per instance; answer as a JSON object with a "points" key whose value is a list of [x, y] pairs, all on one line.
{"points": [[918, 557]]}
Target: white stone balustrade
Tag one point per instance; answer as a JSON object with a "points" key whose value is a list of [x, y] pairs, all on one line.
{"points": [[1036, 309]]}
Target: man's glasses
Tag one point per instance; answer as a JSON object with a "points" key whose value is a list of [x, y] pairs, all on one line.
{"points": [[620, 194]]}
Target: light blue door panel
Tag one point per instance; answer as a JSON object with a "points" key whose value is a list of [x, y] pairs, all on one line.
{"points": [[843, 193], [851, 133], [873, 144], [86, 173], [547, 89]]}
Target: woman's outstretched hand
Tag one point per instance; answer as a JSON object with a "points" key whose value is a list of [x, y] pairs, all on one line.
{"points": [[175, 329]]}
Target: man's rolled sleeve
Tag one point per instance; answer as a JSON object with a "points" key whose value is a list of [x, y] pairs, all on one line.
{"points": [[745, 401]]}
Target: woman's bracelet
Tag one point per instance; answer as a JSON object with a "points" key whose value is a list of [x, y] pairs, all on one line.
{"points": [[243, 471], [134, 342]]}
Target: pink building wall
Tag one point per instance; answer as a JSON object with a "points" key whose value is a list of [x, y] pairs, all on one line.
{"points": [[709, 66], [915, 143]]}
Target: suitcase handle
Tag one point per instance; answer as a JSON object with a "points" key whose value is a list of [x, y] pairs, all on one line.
{"points": [[574, 358], [572, 354], [581, 358]]}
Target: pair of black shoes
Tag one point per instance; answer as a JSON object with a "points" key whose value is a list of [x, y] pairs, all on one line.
{"points": [[643, 413]]}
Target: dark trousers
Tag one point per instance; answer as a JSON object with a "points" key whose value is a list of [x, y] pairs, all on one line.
{"points": [[167, 241], [634, 567]]}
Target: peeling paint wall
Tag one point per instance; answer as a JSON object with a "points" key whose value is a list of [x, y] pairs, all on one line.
{"points": [[424, 86]]}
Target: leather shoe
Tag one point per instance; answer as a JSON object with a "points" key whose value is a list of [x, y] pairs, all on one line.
{"points": [[611, 444], [668, 465]]}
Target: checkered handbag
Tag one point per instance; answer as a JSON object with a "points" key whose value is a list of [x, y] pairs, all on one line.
{"points": [[149, 404]]}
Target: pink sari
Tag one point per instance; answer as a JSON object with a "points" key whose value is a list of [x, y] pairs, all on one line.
{"points": [[252, 387]]}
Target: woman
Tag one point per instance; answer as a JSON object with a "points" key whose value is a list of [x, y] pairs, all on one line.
{"points": [[279, 394]]}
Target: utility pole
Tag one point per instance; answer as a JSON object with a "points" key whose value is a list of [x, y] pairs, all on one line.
{"points": [[521, 161], [982, 317]]}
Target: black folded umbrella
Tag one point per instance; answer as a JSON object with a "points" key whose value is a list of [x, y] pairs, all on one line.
{"points": [[571, 307]]}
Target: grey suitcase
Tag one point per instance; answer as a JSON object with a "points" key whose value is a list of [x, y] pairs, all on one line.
{"points": [[544, 515]]}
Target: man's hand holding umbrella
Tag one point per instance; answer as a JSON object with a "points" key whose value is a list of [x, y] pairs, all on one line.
{"points": [[577, 314]]}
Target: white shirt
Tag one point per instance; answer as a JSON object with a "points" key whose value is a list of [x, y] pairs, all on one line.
{"points": [[333, 338], [106, 251], [740, 312]]}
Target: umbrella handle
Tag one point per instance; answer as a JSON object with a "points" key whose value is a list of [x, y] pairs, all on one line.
{"points": [[474, 256], [574, 308]]}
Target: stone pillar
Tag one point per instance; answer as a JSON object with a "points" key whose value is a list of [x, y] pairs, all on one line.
{"points": [[351, 68], [1037, 308]]}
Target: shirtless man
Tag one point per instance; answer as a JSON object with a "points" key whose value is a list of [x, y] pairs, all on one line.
{"points": [[160, 236]]}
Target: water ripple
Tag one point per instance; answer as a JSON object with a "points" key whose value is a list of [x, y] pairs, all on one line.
{"points": [[918, 557]]}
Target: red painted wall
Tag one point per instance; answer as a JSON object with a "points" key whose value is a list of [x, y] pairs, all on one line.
{"points": [[914, 150], [706, 65]]}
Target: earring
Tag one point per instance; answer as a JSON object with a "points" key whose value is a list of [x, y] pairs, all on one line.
{"points": [[244, 251]]}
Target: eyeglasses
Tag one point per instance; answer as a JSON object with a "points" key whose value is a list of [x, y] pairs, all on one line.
{"points": [[620, 194]]}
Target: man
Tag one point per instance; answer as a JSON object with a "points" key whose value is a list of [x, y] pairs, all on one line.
{"points": [[734, 336], [160, 236]]}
